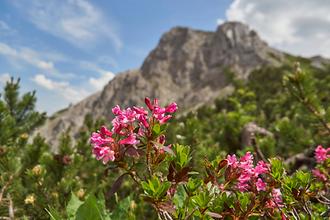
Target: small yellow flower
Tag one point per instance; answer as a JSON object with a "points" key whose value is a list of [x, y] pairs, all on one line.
{"points": [[55, 195], [24, 136], [37, 170], [80, 193], [133, 205], [30, 199]]}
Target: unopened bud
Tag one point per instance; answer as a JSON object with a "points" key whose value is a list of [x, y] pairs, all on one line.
{"points": [[30, 199], [37, 170], [55, 195], [66, 160], [133, 205], [80, 193], [24, 136]]}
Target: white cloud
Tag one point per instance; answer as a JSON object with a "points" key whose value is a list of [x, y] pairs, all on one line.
{"points": [[220, 21], [297, 26], [28, 55], [4, 78], [102, 80], [64, 89], [99, 83], [47, 83], [76, 21]]}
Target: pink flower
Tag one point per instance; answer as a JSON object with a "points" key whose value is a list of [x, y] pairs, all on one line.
{"points": [[242, 186], [144, 120], [140, 110], [261, 185], [321, 154], [104, 153], [127, 116], [117, 126], [158, 112], [116, 110], [261, 168], [232, 161], [171, 108], [105, 132], [318, 174], [165, 119], [277, 197], [148, 103], [101, 138], [131, 139], [110, 156], [246, 163]]}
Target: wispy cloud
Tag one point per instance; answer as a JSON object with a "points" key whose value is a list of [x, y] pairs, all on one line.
{"points": [[31, 57], [64, 89], [76, 21], [25, 54], [296, 26]]}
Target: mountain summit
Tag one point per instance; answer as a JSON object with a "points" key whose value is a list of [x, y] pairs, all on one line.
{"points": [[187, 66]]}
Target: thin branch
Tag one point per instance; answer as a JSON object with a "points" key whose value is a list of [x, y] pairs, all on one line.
{"points": [[11, 208], [6, 186]]}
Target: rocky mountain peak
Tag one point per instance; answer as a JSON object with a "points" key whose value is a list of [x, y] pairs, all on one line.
{"points": [[187, 66], [238, 33]]}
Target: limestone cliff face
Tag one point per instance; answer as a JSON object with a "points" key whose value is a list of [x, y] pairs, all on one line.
{"points": [[187, 66]]}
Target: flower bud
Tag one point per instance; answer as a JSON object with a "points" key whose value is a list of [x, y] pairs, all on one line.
{"points": [[81, 193], [66, 160], [37, 170], [171, 108], [133, 205], [148, 103], [55, 195], [24, 136], [30, 199]]}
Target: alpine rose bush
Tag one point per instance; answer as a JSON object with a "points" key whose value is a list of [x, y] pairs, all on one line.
{"points": [[231, 188]]}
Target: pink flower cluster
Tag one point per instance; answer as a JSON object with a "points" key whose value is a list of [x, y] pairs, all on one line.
{"points": [[128, 126], [250, 177], [321, 154], [276, 200], [248, 172]]}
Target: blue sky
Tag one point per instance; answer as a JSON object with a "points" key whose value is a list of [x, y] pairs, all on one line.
{"points": [[69, 49]]}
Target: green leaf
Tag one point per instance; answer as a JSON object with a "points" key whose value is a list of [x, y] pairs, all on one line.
{"points": [[73, 205], [90, 210], [182, 155], [156, 130], [154, 188], [277, 168]]}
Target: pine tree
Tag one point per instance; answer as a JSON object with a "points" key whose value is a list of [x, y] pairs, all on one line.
{"points": [[18, 118]]}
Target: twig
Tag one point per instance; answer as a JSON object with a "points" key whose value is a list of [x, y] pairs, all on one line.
{"points": [[11, 208], [191, 213], [5, 187], [257, 150]]}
